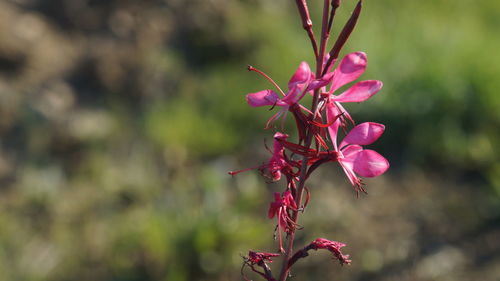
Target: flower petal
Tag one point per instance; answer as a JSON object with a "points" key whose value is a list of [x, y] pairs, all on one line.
{"points": [[332, 113], [348, 170], [325, 60], [319, 83], [349, 69], [274, 206], [262, 98], [350, 153], [294, 95], [361, 91], [364, 134], [301, 76], [370, 163], [279, 136]]}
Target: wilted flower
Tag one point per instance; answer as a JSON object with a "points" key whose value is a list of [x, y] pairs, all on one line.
{"points": [[332, 246], [258, 257]]}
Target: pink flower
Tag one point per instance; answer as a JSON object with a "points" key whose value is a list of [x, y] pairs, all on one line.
{"points": [[350, 68], [301, 82], [280, 208], [332, 246], [356, 160]]}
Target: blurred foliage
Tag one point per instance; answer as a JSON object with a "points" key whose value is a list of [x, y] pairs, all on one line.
{"points": [[120, 119]]}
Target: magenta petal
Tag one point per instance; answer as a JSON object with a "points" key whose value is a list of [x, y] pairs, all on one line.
{"points": [[332, 113], [349, 69], [361, 91], [370, 163], [301, 76], [293, 96], [350, 153], [280, 136], [364, 134], [274, 206], [325, 60], [319, 83], [262, 98]]}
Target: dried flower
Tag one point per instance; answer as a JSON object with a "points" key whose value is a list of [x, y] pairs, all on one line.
{"points": [[332, 246]]}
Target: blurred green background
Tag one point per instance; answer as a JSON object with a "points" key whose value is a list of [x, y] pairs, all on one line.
{"points": [[119, 120]]}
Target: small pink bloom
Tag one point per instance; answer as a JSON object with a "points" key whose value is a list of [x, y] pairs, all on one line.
{"points": [[297, 88], [354, 159], [332, 246], [350, 68]]}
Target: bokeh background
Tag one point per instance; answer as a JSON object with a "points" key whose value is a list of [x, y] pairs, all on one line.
{"points": [[119, 120]]}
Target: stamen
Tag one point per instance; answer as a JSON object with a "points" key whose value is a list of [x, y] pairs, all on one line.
{"points": [[232, 173], [251, 68]]}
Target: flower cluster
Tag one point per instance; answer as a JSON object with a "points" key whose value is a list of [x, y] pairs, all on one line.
{"points": [[326, 132], [326, 125], [349, 154]]}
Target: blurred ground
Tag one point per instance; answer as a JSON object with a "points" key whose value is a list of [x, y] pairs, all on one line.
{"points": [[119, 120]]}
